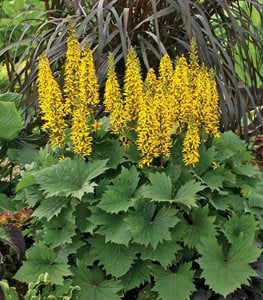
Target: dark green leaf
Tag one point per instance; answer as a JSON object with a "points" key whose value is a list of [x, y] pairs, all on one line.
{"points": [[179, 284], [115, 259], [93, 284], [139, 273], [150, 227]]}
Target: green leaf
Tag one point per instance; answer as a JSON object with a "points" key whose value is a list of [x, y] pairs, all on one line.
{"points": [[10, 121], [229, 145], [59, 230], [139, 273], [187, 194], [115, 230], [160, 188], [236, 225], [40, 260], [225, 273], [70, 177], [119, 196], [109, 149], [215, 178], [164, 253], [83, 214], [6, 203], [93, 285], [27, 180], [11, 97], [245, 170], [115, 259], [150, 227], [207, 157], [50, 207], [179, 284], [201, 225]]}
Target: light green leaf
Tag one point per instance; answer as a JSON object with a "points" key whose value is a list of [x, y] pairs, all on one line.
{"points": [[160, 188], [70, 177], [119, 196], [139, 273], [164, 253], [115, 259], [201, 225], [236, 225], [10, 121], [225, 273], [50, 207], [11, 97], [150, 227], [40, 260], [187, 194], [177, 285], [93, 285]]}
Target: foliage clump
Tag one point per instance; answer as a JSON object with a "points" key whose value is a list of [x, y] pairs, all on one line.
{"points": [[159, 219]]}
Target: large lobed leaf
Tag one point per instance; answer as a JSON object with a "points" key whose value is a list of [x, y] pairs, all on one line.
{"points": [[41, 260], [160, 190], [93, 284], [150, 227], [177, 285], [119, 196], [224, 273], [71, 177], [115, 259]]}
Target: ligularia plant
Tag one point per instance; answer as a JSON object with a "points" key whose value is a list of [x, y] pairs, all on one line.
{"points": [[148, 202]]}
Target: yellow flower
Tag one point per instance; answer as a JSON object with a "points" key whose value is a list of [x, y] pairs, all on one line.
{"points": [[88, 82], [148, 124], [165, 72], [96, 126], [191, 145], [155, 122], [50, 103], [133, 88], [113, 99], [80, 132], [215, 165], [71, 73], [182, 92]]}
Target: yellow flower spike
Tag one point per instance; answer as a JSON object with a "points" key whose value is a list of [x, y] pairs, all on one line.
{"points": [[133, 87], [113, 99], [50, 103], [71, 73], [194, 59], [191, 145], [80, 132], [148, 123], [88, 81], [210, 101], [182, 91], [165, 71], [214, 105]]}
